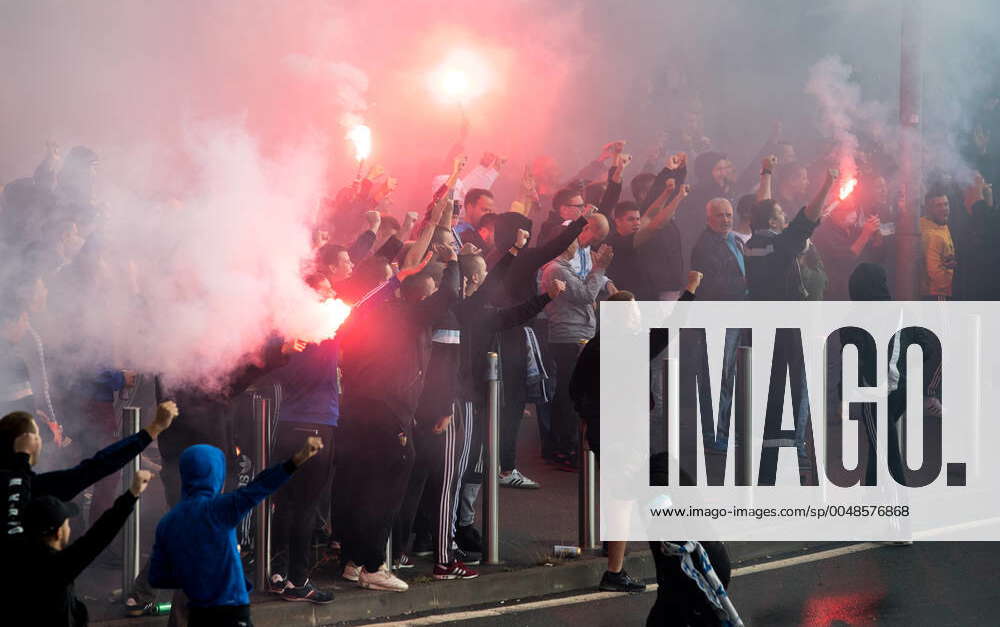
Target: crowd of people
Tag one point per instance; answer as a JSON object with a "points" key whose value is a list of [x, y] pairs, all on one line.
{"points": [[393, 406]]}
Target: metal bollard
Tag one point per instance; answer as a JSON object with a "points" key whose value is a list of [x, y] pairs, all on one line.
{"points": [[262, 535], [744, 402], [491, 482], [587, 497], [130, 534]]}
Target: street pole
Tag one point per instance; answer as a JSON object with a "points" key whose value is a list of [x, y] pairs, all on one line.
{"points": [[491, 503], [130, 537], [910, 157], [262, 537]]}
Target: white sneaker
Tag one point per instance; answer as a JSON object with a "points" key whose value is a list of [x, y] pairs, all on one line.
{"points": [[382, 579], [516, 480], [351, 572]]}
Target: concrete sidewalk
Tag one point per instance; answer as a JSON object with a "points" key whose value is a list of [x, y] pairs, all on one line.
{"points": [[531, 523]]}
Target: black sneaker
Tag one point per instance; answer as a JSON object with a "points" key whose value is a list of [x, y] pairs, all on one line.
{"points": [[307, 592], [423, 546], [278, 583], [468, 539], [138, 607], [566, 463], [620, 582], [467, 557]]}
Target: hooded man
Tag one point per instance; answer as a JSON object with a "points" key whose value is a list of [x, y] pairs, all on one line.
{"points": [[713, 175], [519, 286], [195, 547]]}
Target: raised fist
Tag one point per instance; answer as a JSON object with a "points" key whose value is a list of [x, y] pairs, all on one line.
{"points": [[468, 248], [313, 445], [603, 256], [521, 238], [556, 287], [610, 149], [165, 414], [140, 481], [677, 160], [694, 280]]}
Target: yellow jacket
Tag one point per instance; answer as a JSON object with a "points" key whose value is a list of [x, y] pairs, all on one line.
{"points": [[938, 253]]}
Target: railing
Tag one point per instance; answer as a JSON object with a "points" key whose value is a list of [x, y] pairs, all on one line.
{"points": [[491, 478], [130, 534]]}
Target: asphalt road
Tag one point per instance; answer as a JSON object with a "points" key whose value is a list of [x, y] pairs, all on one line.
{"points": [[934, 583]]}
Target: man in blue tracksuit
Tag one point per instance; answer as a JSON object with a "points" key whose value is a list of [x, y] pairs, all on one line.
{"points": [[195, 547]]}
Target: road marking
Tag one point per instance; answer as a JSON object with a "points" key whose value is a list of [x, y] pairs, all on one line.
{"points": [[601, 596], [805, 559]]}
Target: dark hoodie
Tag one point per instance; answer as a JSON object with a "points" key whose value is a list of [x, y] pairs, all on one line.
{"points": [[195, 547], [504, 233], [868, 282], [690, 217]]}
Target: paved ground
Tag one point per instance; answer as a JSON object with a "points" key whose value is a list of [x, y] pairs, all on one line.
{"points": [[932, 584]]}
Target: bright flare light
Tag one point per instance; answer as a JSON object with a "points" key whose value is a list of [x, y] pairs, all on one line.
{"points": [[335, 311], [847, 188], [361, 136], [463, 76], [453, 84]]}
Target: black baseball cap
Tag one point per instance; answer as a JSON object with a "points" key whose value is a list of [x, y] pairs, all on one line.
{"points": [[45, 514]]}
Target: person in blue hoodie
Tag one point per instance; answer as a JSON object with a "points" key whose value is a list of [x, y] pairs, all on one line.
{"points": [[195, 547]]}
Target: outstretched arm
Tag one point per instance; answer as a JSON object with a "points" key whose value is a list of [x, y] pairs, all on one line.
{"points": [[66, 484], [230, 508], [767, 166], [661, 215], [815, 208]]}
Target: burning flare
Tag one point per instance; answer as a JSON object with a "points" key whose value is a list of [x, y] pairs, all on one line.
{"points": [[361, 136], [847, 188], [335, 311], [462, 76]]}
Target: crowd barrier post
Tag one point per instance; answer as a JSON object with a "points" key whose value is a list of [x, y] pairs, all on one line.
{"points": [[744, 402], [587, 497], [130, 535], [491, 480], [262, 532]]}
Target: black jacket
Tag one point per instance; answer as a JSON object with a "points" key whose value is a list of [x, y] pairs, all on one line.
{"points": [[481, 321], [518, 287], [386, 351], [585, 383], [723, 278], [50, 599], [65, 485], [202, 418], [661, 259], [772, 261]]}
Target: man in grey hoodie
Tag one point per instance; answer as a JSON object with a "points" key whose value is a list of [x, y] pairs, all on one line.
{"points": [[572, 322]]}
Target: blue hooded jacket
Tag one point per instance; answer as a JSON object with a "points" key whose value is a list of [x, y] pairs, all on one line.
{"points": [[195, 547]]}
